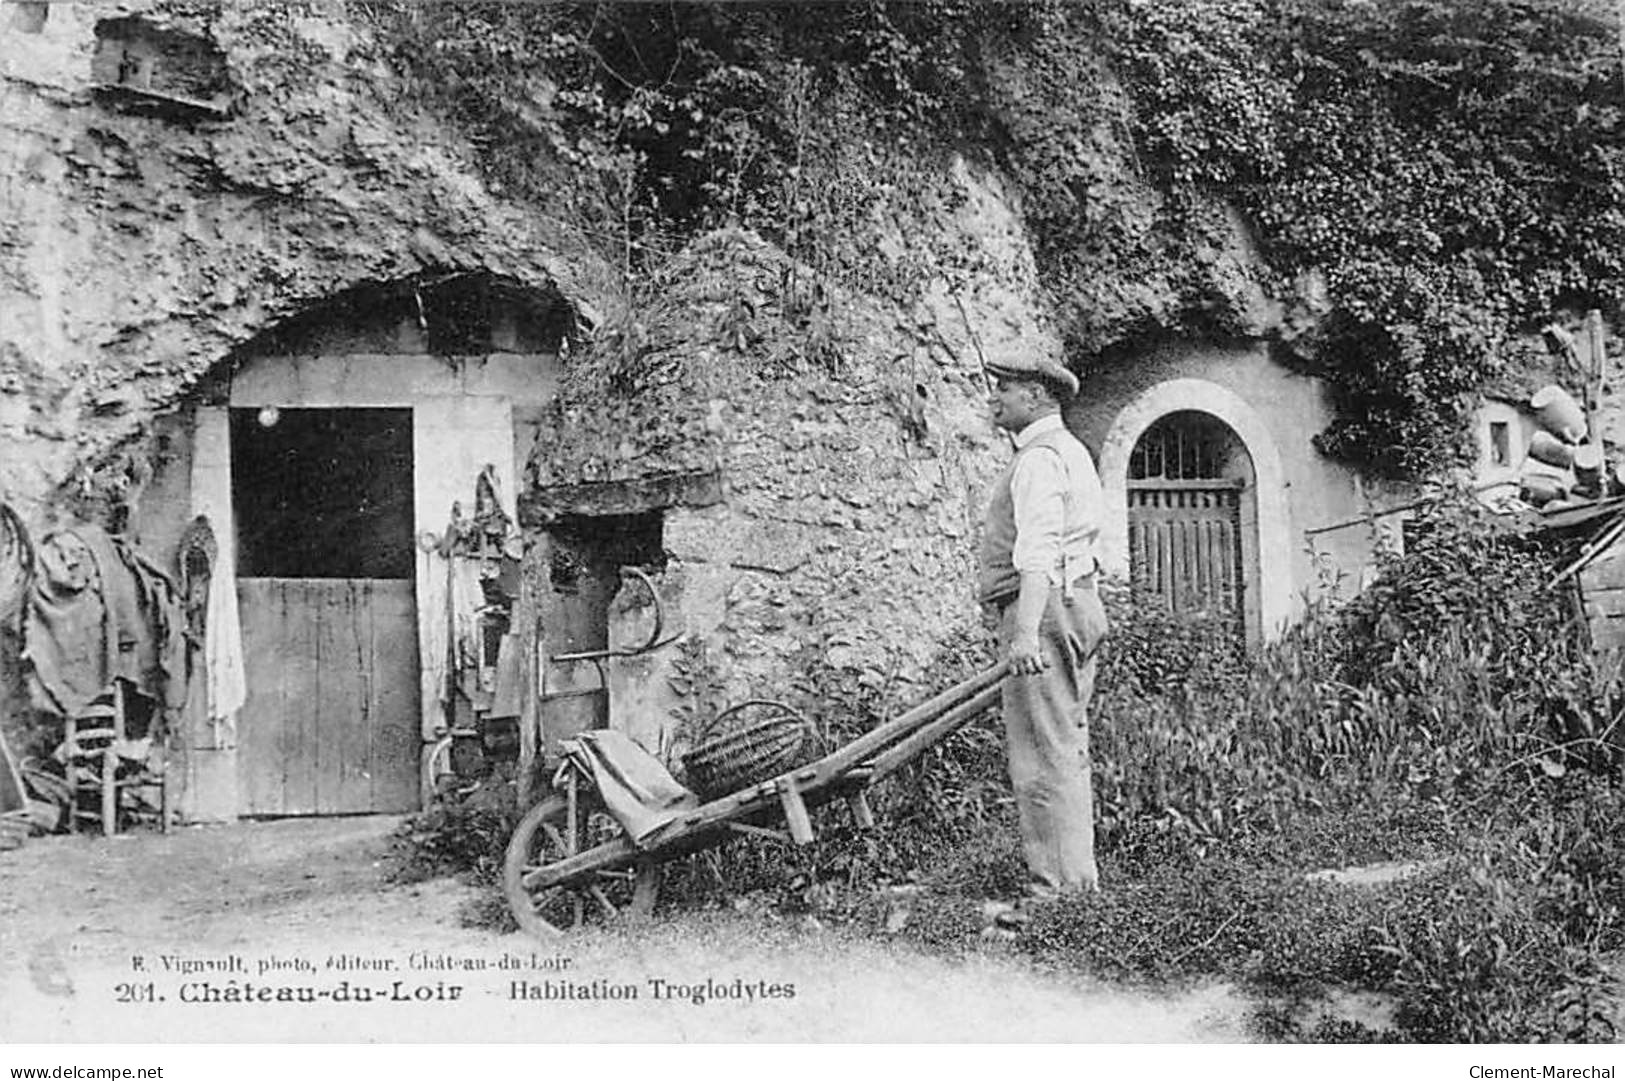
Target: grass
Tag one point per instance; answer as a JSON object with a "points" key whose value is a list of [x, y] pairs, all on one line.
{"points": [[1471, 950]]}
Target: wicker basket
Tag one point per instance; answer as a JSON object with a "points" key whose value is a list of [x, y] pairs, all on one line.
{"points": [[744, 752]]}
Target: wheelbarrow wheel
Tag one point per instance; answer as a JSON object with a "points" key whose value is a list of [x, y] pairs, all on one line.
{"points": [[604, 896]]}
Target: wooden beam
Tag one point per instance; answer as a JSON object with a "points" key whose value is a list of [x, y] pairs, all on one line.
{"points": [[1209, 484], [867, 745], [1590, 551]]}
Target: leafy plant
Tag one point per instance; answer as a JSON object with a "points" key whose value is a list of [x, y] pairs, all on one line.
{"points": [[456, 834]]}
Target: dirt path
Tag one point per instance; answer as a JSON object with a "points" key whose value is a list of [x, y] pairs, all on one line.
{"points": [[85, 922]]}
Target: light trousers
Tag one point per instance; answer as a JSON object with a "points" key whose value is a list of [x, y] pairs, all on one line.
{"points": [[1046, 725]]}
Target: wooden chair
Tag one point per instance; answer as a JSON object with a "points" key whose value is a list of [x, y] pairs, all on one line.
{"points": [[108, 771]]}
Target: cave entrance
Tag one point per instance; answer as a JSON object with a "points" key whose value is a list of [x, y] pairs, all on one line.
{"points": [[337, 457]]}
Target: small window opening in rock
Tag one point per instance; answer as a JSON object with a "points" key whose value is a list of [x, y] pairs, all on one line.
{"points": [[28, 16], [1414, 531], [599, 544], [118, 519], [1500, 443], [140, 67], [323, 493]]}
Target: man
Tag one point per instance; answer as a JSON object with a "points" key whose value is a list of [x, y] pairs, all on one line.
{"points": [[1038, 572]]}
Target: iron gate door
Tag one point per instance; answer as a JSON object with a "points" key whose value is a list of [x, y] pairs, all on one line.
{"points": [[1184, 515]]}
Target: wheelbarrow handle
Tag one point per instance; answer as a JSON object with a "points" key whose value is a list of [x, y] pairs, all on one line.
{"points": [[906, 724]]}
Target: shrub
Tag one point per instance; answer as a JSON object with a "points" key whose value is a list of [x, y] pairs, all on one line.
{"points": [[1458, 667], [457, 834], [1452, 706]]}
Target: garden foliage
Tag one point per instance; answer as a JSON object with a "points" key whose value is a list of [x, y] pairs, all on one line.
{"points": [[1452, 713], [1458, 672], [1453, 710]]}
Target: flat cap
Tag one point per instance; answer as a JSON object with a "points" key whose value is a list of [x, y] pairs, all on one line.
{"points": [[1042, 368]]}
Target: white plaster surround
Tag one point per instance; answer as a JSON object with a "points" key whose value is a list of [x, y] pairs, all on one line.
{"points": [[462, 420], [1270, 486]]}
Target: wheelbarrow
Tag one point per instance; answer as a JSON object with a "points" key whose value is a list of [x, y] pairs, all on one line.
{"points": [[569, 858]]}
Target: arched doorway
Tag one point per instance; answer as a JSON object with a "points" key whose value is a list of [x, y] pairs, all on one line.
{"points": [[1189, 511], [1266, 519]]}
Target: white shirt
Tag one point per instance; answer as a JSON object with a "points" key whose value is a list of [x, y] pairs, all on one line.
{"points": [[1058, 504]]}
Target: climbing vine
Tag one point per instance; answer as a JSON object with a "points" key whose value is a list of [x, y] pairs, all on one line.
{"points": [[1458, 170], [1452, 170]]}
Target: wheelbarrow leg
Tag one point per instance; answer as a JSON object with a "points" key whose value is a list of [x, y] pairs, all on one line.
{"points": [[861, 814], [645, 891], [795, 812]]}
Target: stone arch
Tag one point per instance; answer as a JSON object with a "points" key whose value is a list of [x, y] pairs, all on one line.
{"points": [[1269, 577]]}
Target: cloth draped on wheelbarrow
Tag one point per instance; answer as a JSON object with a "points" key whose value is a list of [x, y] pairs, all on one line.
{"points": [[636, 789]]}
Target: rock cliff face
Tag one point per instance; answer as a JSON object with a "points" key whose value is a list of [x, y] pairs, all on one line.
{"points": [[182, 178], [177, 178]]}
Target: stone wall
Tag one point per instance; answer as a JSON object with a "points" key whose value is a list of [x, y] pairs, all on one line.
{"points": [[851, 481]]}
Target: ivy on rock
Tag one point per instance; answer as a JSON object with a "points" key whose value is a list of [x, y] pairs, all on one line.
{"points": [[1454, 170]]}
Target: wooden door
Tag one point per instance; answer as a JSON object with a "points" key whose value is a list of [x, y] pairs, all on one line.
{"points": [[323, 505], [331, 721], [1185, 542]]}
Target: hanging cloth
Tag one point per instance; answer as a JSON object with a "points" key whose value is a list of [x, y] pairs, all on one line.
{"points": [[16, 568], [210, 596], [163, 662], [72, 628], [227, 685], [635, 787]]}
